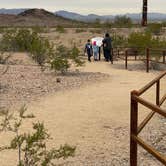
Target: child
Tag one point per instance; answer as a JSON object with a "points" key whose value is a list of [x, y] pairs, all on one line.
{"points": [[95, 50], [88, 50]]}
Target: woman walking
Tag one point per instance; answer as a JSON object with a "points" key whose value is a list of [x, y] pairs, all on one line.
{"points": [[95, 51]]}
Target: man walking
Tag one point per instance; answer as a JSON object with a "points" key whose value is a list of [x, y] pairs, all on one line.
{"points": [[107, 47]]}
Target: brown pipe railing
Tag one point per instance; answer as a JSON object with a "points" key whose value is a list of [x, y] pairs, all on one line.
{"points": [[135, 129], [125, 53], [148, 60]]}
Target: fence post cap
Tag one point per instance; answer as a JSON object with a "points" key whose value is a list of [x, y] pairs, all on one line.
{"points": [[134, 92]]}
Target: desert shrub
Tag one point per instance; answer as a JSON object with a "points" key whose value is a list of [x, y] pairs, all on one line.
{"points": [[122, 21], [154, 28], [97, 23], [108, 24], [28, 41], [38, 29], [31, 147], [80, 30], [63, 57], [40, 49], [139, 40], [60, 29], [16, 40], [119, 41], [7, 42], [97, 31], [144, 40], [74, 55], [2, 29]]}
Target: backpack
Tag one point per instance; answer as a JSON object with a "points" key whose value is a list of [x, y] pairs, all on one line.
{"points": [[88, 47], [107, 43]]}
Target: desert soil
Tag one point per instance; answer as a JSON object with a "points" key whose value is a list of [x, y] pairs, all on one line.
{"points": [[95, 117]]}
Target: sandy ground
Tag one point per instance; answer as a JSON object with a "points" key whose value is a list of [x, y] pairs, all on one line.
{"points": [[95, 118]]}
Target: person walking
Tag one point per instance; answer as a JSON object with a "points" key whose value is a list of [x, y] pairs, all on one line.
{"points": [[88, 50], [95, 51], [107, 47]]}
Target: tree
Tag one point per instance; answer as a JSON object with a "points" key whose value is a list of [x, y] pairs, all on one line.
{"points": [[32, 147]]}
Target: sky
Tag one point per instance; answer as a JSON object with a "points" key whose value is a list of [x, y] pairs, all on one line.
{"points": [[102, 7]]}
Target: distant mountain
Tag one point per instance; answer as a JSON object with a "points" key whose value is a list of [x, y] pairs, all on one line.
{"points": [[157, 16], [76, 16], [37, 13], [11, 11], [34, 17], [93, 17], [90, 17]]}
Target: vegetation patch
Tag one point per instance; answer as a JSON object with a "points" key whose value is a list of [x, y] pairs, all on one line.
{"points": [[31, 147]]}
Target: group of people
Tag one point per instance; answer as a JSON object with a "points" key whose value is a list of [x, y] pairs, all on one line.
{"points": [[92, 49]]}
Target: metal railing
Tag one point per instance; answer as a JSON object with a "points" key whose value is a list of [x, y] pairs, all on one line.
{"points": [[146, 55], [135, 129]]}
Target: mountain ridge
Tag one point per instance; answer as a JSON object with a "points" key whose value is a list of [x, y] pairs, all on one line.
{"points": [[85, 18], [93, 17], [34, 17]]}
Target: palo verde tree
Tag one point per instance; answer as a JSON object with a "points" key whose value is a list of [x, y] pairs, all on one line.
{"points": [[31, 147]]}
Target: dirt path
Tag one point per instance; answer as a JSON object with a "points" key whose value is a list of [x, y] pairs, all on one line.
{"points": [[95, 117]]}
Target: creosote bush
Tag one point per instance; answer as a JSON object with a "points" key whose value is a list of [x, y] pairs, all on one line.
{"points": [[118, 40], [63, 57], [60, 29], [40, 49], [122, 21], [26, 40], [80, 30], [31, 147], [144, 40], [154, 28]]}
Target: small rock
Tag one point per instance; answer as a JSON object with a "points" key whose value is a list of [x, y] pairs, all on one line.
{"points": [[58, 80]]}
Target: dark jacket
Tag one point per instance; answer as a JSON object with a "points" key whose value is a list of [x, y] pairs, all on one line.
{"points": [[107, 43]]}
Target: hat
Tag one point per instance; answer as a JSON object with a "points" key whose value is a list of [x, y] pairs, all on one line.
{"points": [[94, 43]]}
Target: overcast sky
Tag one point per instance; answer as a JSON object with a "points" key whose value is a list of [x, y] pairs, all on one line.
{"points": [[88, 6]]}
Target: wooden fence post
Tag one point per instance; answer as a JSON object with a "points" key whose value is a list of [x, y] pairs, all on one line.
{"points": [[158, 93], [118, 53], [133, 129], [164, 54], [147, 60], [126, 57]]}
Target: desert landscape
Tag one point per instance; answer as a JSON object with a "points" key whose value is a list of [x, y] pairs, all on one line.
{"points": [[88, 106]]}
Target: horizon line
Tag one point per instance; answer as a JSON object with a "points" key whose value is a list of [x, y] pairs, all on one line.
{"points": [[54, 11]]}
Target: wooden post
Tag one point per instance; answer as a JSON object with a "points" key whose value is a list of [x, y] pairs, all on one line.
{"points": [[112, 55], [147, 60], [133, 129], [126, 56], [158, 93], [164, 54]]}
